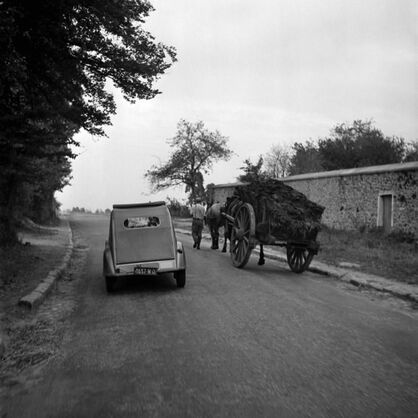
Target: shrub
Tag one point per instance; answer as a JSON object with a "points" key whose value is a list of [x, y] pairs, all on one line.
{"points": [[398, 235]]}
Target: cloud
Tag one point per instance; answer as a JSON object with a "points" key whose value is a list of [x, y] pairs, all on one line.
{"points": [[261, 73]]}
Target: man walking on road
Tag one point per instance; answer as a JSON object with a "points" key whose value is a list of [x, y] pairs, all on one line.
{"points": [[198, 213]]}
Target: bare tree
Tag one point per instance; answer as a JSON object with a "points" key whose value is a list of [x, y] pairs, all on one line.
{"points": [[411, 153], [277, 161]]}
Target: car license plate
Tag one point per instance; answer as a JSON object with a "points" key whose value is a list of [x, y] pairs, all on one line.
{"points": [[146, 271]]}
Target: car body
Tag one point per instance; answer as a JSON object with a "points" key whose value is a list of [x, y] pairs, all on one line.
{"points": [[142, 242]]}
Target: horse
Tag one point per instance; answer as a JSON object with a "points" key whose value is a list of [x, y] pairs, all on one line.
{"points": [[214, 220]]}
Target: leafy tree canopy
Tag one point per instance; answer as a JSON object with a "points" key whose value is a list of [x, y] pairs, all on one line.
{"points": [[359, 144], [305, 158], [57, 60], [195, 149], [59, 55]]}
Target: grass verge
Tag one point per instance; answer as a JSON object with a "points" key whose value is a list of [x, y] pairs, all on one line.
{"points": [[391, 256]]}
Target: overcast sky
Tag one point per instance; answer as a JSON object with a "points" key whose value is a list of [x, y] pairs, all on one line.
{"points": [[262, 73]]}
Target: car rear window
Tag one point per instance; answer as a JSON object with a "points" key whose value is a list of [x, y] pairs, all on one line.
{"points": [[141, 222]]}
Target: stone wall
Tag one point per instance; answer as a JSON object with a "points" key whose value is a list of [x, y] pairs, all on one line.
{"points": [[353, 201], [353, 198]]}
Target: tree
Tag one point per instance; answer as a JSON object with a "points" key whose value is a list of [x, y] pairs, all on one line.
{"points": [[411, 151], [252, 172], [305, 159], [277, 161], [195, 149], [177, 208], [56, 59], [358, 145], [45, 176]]}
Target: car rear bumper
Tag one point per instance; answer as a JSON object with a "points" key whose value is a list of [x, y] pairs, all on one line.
{"points": [[128, 269]]}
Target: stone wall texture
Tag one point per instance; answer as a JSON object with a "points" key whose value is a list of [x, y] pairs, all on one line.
{"points": [[352, 202], [353, 198]]}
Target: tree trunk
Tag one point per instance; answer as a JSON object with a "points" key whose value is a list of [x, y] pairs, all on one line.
{"points": [[8, 233]]}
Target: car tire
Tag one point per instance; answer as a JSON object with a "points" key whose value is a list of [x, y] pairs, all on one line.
{"points": [[180, 277], [110, 284]]}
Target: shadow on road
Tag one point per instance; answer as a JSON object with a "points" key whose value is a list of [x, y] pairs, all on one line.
{"points": [[146, 285]]}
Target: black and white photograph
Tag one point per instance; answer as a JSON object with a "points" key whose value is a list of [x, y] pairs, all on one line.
{"points": [[208, 208]]}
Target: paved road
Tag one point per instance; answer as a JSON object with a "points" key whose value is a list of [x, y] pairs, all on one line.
{"points": [[242, 343]]}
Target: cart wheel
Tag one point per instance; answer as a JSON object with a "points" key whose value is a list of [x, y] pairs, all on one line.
{"points": [[298, 258], [242, 235]]}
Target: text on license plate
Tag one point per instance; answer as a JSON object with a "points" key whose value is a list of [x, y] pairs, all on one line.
{"points": [[145, 270]]}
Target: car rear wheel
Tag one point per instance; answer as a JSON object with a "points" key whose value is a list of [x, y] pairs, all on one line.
{"points": [[110, 284], [180, 277]]}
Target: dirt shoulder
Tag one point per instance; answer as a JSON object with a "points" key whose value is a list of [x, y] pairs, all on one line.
{"points": [[25, 264], [23, 267]]}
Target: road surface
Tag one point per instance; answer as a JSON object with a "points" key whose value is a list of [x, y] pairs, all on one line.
{"points": [[259, 341]]}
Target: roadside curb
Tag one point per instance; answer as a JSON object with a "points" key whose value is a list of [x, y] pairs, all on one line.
{"points": [[37, 296], [355, 278]]}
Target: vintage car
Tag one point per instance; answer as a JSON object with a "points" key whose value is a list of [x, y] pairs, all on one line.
{"points": [[142, 242]]}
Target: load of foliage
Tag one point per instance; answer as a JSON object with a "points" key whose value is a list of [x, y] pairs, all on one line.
{"points": [[281, 212]]}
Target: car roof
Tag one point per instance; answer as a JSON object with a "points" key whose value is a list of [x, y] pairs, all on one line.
{"points": [[138, 205]]}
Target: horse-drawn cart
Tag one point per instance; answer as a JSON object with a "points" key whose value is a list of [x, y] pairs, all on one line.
{"points": [[271, 213]]}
